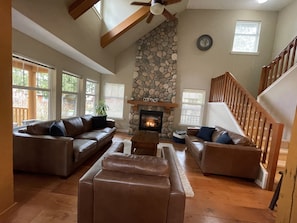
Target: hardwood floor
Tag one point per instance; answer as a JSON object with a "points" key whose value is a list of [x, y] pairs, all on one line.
{"points": [[218, 199]]}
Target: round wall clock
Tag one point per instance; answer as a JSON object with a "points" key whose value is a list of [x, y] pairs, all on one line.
{"points": [[204, 42]]}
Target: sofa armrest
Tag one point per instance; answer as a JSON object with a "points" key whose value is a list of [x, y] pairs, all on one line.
{"points": [[228, 159], [85, 187], [193, 131], [43, 153], [110, 123], [177, 201]]}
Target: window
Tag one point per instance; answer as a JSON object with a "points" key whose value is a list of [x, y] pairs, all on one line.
{"points": [[192, 107], [246, 37], [91, 90], [98, 7], [70, 90], [31, 91], [114, 98]]}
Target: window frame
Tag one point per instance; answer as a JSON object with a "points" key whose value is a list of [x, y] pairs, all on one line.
{"points": [[38, 68], [107, 97], [257, 36], [98, 9], [201, 105], [77, 94], [96, 93]]}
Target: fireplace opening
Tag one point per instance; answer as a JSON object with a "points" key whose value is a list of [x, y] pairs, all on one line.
{"points": [[150, 120]]}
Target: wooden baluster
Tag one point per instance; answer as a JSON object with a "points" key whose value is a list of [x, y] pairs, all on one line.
{"points": [[287, 58], [294, 52]]}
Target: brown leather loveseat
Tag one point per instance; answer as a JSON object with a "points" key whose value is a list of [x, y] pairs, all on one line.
{"points": [[220, 151], [59, 147], [131, 188]]}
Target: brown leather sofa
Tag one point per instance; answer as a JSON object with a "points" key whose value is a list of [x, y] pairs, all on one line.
{"points": [[131, 188], [238, 157], [59, 147]]}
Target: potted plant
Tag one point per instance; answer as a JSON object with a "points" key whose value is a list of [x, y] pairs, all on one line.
{"points": [[101, 108], [99, 121]]}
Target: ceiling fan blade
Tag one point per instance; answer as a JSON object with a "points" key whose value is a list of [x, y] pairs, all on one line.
{"points": [[169, 2], [168, 15], [149, 18], [141, 3]]}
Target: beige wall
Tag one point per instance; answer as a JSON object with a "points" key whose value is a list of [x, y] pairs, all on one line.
{"points": [[124, 74], [286, 29], [26, 46], [82, 34], [196, 68], [6, 174]]}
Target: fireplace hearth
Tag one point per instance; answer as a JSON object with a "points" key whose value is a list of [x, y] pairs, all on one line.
{"points": [[150, 120]]}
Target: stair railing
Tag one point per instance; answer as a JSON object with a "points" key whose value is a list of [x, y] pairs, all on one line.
{"points": [[257, 124], [283, 62]]}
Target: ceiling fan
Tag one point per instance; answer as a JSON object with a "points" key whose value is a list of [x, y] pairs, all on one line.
{"points": [[157, 7]]}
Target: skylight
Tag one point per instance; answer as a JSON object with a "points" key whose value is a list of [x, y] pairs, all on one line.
{"points": [[97, 8]]}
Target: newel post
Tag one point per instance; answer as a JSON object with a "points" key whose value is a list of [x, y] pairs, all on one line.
{"points": [[263, 79]]}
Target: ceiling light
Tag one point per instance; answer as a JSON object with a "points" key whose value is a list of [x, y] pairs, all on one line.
{"points": [[156, 7], [262, 1]]}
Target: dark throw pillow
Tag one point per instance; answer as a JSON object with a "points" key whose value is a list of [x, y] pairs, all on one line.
{"points": [[57, 129], [99, 122], [205, 133], [224, 138]]}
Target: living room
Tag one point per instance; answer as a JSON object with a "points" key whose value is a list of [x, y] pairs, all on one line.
{"points": [[194, 68]]}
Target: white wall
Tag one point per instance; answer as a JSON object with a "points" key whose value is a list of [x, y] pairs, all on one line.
{"points": [[286, 29], [218, 114], [280, 100]]}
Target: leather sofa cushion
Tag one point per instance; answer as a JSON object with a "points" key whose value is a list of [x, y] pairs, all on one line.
{"points": [[145, 165], [57, 129], [87, 122], [82, 147], [40, 128], [95, 135], [74, 126]]}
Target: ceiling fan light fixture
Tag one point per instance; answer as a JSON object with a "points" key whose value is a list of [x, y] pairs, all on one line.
{"points": [[156, 8]]}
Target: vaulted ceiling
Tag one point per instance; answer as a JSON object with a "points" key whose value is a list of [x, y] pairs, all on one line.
{"points": [[134, 26], [122, 24]]}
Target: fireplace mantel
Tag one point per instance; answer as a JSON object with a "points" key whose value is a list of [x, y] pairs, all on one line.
{"points": [[166, 105]]}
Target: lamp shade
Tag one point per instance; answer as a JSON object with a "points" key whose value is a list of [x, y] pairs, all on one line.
{"points": [[156, 7]]}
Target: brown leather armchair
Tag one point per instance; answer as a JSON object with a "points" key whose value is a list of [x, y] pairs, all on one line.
{"points": [[131, 188]]}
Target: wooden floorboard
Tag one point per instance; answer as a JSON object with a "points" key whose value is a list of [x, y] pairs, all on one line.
{"points": [[43, 198]]}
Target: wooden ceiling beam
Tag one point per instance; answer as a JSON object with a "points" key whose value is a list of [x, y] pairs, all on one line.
{"points": [[79, 7], [124, 26]]}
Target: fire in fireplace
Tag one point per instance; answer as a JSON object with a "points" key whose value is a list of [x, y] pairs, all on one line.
{"points": [[150, 120]]}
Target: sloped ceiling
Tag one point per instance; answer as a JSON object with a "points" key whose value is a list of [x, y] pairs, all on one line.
{"points": [[115, 12], [123, 10]]}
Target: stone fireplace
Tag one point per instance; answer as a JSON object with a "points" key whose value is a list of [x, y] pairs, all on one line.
{"points": [[154, 78]]}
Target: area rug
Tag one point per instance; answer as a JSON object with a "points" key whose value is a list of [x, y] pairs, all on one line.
{"points": [[184, 179]]}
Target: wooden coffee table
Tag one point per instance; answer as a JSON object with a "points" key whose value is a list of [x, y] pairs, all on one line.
{"points": [[145, 142]]}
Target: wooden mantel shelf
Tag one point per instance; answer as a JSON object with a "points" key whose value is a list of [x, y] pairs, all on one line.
{"points": [[166, 105]]}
